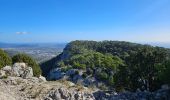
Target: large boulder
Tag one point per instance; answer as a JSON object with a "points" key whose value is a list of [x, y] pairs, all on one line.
{"points": [[42, 78], [28, 72], [18, 69], [22, 70]]}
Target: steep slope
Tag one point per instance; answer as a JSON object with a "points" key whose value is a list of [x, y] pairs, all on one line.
{"points": [[110, 65]]}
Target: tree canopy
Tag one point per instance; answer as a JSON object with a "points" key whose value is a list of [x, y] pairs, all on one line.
{"points": [[116, 63], [4, 59]]}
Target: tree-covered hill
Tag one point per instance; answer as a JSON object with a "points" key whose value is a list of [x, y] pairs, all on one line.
{"points": [[118, 64]]}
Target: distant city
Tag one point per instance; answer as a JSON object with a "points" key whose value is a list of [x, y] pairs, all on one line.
{"points": [[40, 52]]}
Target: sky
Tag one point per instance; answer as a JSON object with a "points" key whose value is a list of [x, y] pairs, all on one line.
{"points": [[46, 21]]}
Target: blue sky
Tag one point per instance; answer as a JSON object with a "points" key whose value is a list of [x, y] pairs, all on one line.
{"points": [[67, 20]]}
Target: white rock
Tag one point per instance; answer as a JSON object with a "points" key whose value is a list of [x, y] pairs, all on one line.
{"points": [[42, 78], [28, 73], [7, 68], [22, 70], [18, 69], [2, 73]]}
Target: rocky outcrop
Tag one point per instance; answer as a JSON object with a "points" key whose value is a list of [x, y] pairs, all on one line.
{"points": [[17, 88], [22, 70], [55, 74], [18, 83], [63, 93], [18, 70]]}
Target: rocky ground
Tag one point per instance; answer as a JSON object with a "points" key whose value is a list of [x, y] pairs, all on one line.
{"points": [[17, 88], [18, 83]]}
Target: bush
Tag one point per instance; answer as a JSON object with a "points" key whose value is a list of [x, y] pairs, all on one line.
{"points": [[29, 61], [4, 59], [84, 75], [164, 75], [102, 76], [111, 81]]}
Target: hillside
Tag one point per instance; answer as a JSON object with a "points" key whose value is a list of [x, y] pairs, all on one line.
{"points": [[87, 74], [18, 83], [111, 65]]}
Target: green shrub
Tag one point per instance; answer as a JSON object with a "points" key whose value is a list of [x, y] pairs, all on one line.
{"points": [[29, 61], [111, 81], [102, 76], [78, 65], [4, 59], [84, 75], [164, 74], [65, 69]]}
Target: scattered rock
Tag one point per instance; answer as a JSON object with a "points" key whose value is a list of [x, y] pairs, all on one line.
{"points": [[71, 72], [42, 78]]}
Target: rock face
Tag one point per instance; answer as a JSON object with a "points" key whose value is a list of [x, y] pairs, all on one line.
{"points": [[18, 70], [55, 74], [22, 70]]}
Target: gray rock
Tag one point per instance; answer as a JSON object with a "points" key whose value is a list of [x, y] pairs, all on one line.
{"points": [[28, 73], [42, 78], [5, 71], [77, 79], [7, 68], [64, 93], [89, 81], [55, 74], [22, 70], [71, 72], [165, 86], [2, 73], [18, 69]]}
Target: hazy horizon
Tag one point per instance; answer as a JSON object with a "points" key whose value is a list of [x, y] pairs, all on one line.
{"points": [[41, 21]]}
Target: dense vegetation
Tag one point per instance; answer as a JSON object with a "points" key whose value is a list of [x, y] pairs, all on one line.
{"points": [[4, 59], [122, 65], [29, 61]]}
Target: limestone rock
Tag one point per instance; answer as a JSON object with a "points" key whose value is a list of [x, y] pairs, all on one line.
{"points": [[18, 69], [55, 74], [42, 78], [28, 72], [7, 68], [22, 70], [2, 73]]}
